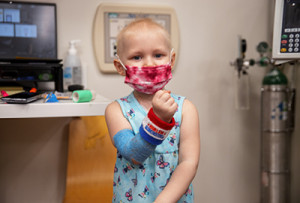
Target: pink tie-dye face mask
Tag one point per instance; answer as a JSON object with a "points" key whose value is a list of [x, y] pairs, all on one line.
{"points": [[148, 79]]}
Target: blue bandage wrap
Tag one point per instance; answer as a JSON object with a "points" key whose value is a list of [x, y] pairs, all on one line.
{"points": [[133, 147]]}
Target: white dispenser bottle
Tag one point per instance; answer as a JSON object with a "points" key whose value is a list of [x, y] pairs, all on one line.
{"points": [[72, 66]]}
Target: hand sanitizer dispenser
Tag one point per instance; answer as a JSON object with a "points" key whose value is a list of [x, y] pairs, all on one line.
{"points": [[72, 66]]}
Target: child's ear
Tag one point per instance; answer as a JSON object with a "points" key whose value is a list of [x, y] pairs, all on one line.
{"points": [[119, 67], [173, 60]]}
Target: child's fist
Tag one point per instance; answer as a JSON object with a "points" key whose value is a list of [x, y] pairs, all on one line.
{"points": [[164, 106]]}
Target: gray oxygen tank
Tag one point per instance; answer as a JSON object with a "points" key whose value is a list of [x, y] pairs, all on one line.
{"points": [[275, 138]]}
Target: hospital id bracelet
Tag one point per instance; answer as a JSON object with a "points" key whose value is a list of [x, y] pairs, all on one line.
{"points": [[154, 130]]}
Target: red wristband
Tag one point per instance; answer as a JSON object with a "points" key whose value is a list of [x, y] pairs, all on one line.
{"points": [[160, 123]]}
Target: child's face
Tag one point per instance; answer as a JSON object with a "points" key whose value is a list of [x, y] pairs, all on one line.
{"points": [[149, 48]]}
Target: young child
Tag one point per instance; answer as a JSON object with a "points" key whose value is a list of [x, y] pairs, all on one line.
{"points": [[155, 132]]}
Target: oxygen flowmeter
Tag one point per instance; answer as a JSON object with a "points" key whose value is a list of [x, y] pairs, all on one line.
{"points": [[241, 64]]}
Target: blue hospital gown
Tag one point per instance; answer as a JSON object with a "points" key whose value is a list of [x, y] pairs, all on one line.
{"points": [[143, 183]]}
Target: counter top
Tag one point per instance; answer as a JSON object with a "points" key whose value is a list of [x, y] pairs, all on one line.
{"points": [[64, 108]]}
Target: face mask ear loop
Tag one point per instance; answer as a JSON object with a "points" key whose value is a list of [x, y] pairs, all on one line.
{"points": [[121, 62]]}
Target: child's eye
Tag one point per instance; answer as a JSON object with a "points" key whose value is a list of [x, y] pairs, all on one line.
{"points": [[137, 58], [158, 55]]}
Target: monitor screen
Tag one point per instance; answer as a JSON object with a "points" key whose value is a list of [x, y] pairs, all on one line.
{"points": [[28, 30], [292, 14]]}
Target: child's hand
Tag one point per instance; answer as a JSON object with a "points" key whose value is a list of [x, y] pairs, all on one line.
{"points": [[164, 106]]}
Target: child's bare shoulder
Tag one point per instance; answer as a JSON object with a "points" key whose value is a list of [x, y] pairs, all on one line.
{"points": [[112, 107], [189, 108], [188, 104]]}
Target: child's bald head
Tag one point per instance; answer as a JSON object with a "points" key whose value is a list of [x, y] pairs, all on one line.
{"points": [[139, 26]]}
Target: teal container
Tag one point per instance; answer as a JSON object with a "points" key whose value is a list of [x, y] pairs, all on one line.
{"points": [[275, 77]]}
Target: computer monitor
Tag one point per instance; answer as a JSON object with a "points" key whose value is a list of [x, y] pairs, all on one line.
{"points": [[28, 30]]}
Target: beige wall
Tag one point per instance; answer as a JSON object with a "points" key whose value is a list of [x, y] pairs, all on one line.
{"points": [[230, 154]]}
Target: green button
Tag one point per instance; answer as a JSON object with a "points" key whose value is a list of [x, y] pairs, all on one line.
{"points": [[284, 36]]}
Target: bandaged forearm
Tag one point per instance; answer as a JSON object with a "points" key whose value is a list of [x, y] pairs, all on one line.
{"points": [[139, 147], [133, 147]]}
